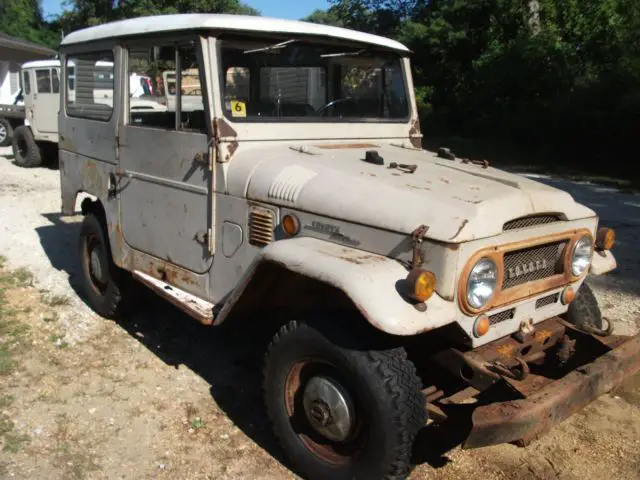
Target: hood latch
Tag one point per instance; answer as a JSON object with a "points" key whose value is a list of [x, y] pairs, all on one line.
{"points": [[417, 238]]}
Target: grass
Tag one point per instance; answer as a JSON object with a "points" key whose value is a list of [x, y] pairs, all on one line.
{"points": [[77, 463], [58, 341], [13, 442], [54, 300], [12, 332]]}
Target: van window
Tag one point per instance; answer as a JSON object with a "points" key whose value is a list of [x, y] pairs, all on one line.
{"points": [[90, 85], [26, 82], [43, 80]]}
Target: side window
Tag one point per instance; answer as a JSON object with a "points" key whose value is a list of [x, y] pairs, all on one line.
{"points": [[55, 80], [90, 85], [43, 80], [158, 98], [149, 71], [26, 82]]}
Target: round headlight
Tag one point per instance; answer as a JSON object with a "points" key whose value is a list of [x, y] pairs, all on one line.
{"points": [[581, 257], [482, 282]]}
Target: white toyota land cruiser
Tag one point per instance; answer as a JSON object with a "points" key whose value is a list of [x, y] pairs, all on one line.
{"points": [[289, 176]]}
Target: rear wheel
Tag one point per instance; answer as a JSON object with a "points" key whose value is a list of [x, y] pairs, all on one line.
{"points": [[106, 286], [6, 132], [26, 151], [342, 412]]}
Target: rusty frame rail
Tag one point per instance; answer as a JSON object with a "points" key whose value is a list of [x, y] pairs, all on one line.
{"points": [[523, 421]]}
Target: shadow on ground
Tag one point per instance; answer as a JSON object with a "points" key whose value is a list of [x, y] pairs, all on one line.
{"points": [[228, 358]]}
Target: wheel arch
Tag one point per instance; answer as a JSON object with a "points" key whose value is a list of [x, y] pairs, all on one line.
{"points": [[312, 274]]}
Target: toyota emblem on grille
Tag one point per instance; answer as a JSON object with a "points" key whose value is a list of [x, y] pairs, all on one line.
{"points": [[528, 267]]}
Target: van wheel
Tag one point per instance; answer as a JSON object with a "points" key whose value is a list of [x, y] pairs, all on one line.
{"points": [[105, 285], [25, 149], [6, 131], [342, 412]]}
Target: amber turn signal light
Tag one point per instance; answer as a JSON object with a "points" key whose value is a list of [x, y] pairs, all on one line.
{"points": [[290, 224], [422, 284], [605, 238], [568, 295], [481, 326]]}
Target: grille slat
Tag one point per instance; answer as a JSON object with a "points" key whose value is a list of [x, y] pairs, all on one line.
{"points": [[502, 316], [261, 227], [532, 221], [534, 263], [548, 300]]}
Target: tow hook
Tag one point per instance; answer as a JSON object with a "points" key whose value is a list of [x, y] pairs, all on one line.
{"points": [[519, 372]]}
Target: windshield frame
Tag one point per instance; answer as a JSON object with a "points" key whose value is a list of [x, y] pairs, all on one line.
{"points": [[346, 46]]}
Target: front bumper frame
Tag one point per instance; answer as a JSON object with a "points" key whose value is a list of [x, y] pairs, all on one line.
{"points": [[524, 420]]}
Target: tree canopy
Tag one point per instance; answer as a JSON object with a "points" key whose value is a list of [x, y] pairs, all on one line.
{"points": [[559, 73]]}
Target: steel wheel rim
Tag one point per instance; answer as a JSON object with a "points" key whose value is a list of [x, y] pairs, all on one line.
{"points": [[330, 451], [94, 259], [3, 132]]}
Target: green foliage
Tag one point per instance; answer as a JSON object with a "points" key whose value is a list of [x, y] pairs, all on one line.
{"points": [[82, 13], [563, 74], [24, 19]]}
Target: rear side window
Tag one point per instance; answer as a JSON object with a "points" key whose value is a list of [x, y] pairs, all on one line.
{"points": [[90, 84], [26, 82], [43, 80]]}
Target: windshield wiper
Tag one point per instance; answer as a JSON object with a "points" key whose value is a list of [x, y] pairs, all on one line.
{"points": [[276, 46], [343, 54]]}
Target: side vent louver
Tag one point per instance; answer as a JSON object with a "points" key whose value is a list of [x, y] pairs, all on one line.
{"points": [[261, 226]]}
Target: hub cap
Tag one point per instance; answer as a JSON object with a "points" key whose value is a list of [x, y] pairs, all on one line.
{"points": [[96, 265], [3, 133], [328, 408]]}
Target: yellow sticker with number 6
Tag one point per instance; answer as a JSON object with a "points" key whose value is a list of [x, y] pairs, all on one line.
{"points": [[238, 108]]}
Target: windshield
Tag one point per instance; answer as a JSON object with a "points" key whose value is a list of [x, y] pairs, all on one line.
{"points": [[283, 80]]}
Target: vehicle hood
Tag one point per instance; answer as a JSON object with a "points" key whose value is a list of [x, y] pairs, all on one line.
{"points": [[457, 201]]}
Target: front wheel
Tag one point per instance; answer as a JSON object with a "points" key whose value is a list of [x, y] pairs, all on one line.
{"points": [[342, 412]]}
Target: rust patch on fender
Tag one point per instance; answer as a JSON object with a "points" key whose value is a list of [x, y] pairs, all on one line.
{"points": [[464, 222], [231, 150]]}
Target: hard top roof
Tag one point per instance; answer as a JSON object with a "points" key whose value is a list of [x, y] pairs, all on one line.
{"points": [[41, 64], [232, 23]]}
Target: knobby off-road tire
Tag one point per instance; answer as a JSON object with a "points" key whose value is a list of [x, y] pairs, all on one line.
{"points": [[6, 132], [584, 311], [26, 151], [107, 288], [384, 389]]}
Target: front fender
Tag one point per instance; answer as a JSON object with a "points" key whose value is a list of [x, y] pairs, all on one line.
{"points": [[369, 280]]}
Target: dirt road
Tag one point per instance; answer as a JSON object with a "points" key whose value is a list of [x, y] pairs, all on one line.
{"points": [[159, 396]]}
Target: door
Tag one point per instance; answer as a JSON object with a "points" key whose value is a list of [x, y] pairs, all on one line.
{"points": [[46, 101], [166, 182]]}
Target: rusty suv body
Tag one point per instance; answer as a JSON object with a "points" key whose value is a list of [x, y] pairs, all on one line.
{"points": [[282, 168]]}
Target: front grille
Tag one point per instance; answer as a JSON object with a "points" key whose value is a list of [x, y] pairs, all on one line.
{"points": [[533, 263], [502, 316], [548, 300], [261, 226], [531, 221]]}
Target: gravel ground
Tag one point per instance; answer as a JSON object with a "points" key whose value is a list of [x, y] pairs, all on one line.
{"points": [[159, 396]]}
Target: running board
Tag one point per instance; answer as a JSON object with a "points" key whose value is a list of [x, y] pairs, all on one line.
{"points": [[199, 309]]}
